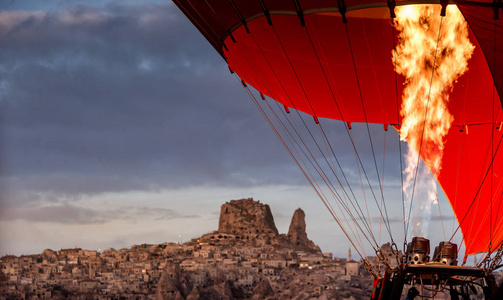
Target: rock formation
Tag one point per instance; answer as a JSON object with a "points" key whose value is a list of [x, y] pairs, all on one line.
{"points": [[173, 284], [194, 295], [247, 217], [263, 290], [49, 253], [297, 235], [247, 221]]}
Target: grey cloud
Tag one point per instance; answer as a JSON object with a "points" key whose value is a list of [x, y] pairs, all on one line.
{"points": [[65, 214], [155, 213], [121, 92], [71, 214], [130, 97]]}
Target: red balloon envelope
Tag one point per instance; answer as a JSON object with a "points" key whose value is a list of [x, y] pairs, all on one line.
{"points": [[300, 53]]}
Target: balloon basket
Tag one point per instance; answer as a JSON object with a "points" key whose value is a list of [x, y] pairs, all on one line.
{"points": [[432, 278]]}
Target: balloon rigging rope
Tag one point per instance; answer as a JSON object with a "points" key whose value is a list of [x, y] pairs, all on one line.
{"points": [[385, 131], [297, 131], [342, 117], [492, 148], [314, 184], [399, 142], [265, 115], [349, 212], [370, 138], [300, 136], [375, 163], [296, 75], [383, 163], [330, 146], [337, 220], [363, 190], [349, 185], [326, 142], [496, 218], [454, 205], [424, 125], [441, 220], [333, 190]]}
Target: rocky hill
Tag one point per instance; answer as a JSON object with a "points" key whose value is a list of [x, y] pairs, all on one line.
{"points": [[249, 252], [245, 259], [249, 222]]}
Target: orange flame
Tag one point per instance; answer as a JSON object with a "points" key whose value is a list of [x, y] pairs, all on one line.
{"points": [[432, 53], [431, 59]]}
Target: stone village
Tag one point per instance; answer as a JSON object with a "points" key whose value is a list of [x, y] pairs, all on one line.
{"points": [[246, 258]]}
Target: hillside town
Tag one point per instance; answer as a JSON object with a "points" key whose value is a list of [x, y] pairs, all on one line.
{"points": [[246, 258]]}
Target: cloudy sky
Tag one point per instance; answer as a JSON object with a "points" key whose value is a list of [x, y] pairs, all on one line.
{"points": [[121, 125]]}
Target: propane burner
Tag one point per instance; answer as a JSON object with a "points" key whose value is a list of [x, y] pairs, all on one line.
{"points": [[418, 251], [446, 253]]}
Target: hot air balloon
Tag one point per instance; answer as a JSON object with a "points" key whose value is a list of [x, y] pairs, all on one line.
{"points": [[338, 60]]}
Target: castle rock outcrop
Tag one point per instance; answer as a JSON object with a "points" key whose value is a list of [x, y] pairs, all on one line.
{"points": [[247, 218], [249, 222]]}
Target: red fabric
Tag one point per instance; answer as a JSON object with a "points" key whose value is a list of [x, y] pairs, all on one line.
{"points": [[466, 161], [489, 33], [280, 62]]}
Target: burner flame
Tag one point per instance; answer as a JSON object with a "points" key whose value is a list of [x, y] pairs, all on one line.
{"points": [[432, 53]]}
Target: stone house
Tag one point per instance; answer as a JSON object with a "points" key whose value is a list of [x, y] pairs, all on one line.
{"points": [[352, 268], [88, 285]]}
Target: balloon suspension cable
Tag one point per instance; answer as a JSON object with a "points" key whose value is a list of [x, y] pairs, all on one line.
{"points": [[424, 125], [333, 190], [363, 190], [440, 214], [399, 142], [339, 110], [454, 205], [320, 194], [382, 183], [330, 185], [350, 135], [491, 227], [327, 144], [296, 130], [318, 168], [305, 94], [388, 226]]}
